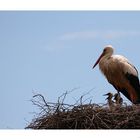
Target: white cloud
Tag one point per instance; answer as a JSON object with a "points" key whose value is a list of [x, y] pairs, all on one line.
{"points": [[79, 35], [60, 42], [86, 35]]}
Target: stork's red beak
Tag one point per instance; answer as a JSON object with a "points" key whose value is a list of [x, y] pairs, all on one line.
{"points": [[98, 60]]}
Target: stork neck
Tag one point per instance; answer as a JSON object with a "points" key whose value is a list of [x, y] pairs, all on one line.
{"points": [[107, 56]]}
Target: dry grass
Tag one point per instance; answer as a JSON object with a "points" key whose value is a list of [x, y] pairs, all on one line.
{"points": [[83, 116]]}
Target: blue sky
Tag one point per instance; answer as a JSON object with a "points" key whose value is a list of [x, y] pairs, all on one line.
{"points": [[53, 52]]}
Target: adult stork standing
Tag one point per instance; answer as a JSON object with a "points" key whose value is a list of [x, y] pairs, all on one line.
{"points": [[120, 73]]}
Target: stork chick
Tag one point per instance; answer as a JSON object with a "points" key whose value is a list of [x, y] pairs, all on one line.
{"points": [[109, 99], [118, 99]]}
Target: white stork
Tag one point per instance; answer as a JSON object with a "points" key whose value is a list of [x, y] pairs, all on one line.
{"points": [[109, 99], [120, 73]]}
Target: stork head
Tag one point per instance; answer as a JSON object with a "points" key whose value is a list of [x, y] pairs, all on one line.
{"points": [[117, 96], [107, 51], [109, 94]]}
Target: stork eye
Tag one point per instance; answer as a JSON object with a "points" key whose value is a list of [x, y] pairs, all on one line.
{"points": [[105, 50]]}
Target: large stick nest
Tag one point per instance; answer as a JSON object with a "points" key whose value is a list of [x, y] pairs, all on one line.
{"points": [[83, 116]]}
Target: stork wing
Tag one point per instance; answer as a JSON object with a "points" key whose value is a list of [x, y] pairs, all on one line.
{"points": [[133, 67], [131, 74], [127, 67]]}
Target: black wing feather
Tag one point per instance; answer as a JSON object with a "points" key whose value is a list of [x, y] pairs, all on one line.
{"points": [[134, 81]]}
